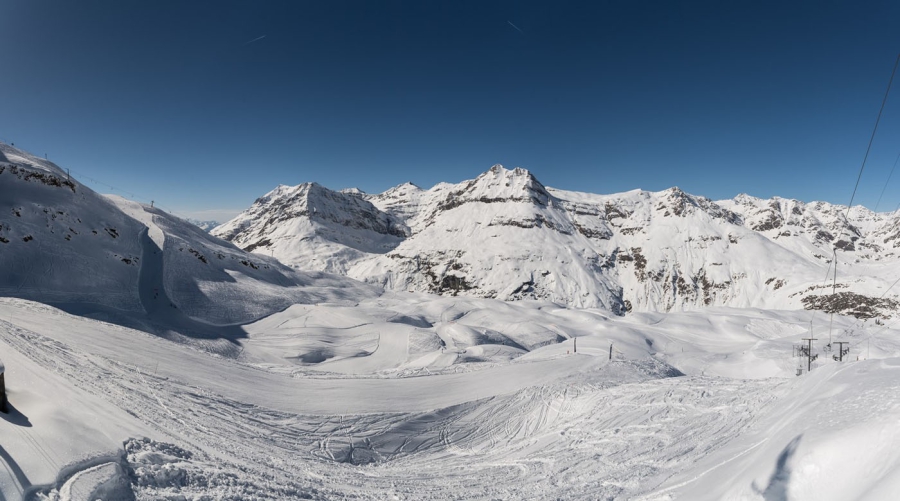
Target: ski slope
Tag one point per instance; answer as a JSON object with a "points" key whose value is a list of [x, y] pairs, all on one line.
{"points": [[667, 418]]}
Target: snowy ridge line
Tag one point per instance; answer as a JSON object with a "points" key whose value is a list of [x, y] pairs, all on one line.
{"points": [[633, 251], [130, 194]]}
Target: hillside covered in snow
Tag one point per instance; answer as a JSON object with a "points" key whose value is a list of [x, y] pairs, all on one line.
{"points": [[112, 259], [505, 235], [513, 342]]}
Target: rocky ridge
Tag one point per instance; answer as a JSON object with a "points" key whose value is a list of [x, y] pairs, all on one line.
{"points": [[505, 235]]}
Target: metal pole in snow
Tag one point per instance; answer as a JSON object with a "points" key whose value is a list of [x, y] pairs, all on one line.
{"points": [[610, 351], [3, 407], [575, 342], [809, 355], [841, 349]]}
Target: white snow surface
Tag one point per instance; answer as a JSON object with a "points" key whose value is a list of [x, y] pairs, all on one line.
{"points": [[284, 384], [329, 401]]}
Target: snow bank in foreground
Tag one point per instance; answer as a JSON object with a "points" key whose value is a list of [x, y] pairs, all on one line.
{"points": [[835, 435]]}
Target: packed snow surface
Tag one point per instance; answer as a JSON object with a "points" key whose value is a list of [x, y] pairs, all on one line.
{"points": [[472, 399]]}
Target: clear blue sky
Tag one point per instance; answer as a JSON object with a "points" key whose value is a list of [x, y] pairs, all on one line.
{"points": [[175, 101]]}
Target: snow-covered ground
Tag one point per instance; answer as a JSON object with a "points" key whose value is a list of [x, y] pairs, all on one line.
{"points": [[412, 396], [147, 359]]}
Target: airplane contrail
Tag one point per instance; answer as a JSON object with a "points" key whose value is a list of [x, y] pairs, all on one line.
{"points": [[257, 39], [516, 27]]}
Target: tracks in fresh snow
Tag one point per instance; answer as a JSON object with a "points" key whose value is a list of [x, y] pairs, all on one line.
{"points": [[604, 431]]}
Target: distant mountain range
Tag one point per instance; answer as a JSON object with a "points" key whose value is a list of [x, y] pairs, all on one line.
{"points": [[203, 225], [505, 235], [502, 235]]}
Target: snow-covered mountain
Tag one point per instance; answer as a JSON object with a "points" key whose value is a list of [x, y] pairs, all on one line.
{"points": [[204, 225], [330, 229], [63, 244], [505, 235], [375, 396]]}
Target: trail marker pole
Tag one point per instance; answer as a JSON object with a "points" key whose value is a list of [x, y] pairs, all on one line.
{"points": [[575, 343], [610, 351]]}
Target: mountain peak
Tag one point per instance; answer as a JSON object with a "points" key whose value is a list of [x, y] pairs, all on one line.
{"points": [[407, 187], [499, 184], [500, 170]]}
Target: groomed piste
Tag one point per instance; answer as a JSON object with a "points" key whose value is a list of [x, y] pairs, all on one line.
{"points": [[167, 420]]}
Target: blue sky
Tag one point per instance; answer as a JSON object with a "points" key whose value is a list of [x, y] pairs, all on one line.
{"points": [[174, 101]]}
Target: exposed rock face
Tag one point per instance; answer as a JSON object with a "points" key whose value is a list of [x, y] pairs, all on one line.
{"points": [[852, 304], [505, 235]]}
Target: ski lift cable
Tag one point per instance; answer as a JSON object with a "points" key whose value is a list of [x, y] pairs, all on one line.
{"points": [[872, 138], [859, 176], [889, 288], [872, 335], [825, 283], [893, 168], [120, 190], [866, 156]]}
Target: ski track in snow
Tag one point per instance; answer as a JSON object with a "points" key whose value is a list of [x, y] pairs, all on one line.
{"points": [[619, 439], [545, 426]]}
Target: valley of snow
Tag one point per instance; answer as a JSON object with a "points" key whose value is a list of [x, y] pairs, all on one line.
{"points": [[150, 360]]}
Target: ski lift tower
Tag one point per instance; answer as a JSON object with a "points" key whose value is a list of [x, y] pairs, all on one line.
{"points": [[3, 407]]}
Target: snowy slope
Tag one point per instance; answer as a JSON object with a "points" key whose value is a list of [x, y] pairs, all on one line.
{"points": [[60, 241], [550, 424], [504, 235], [63, 244]]}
